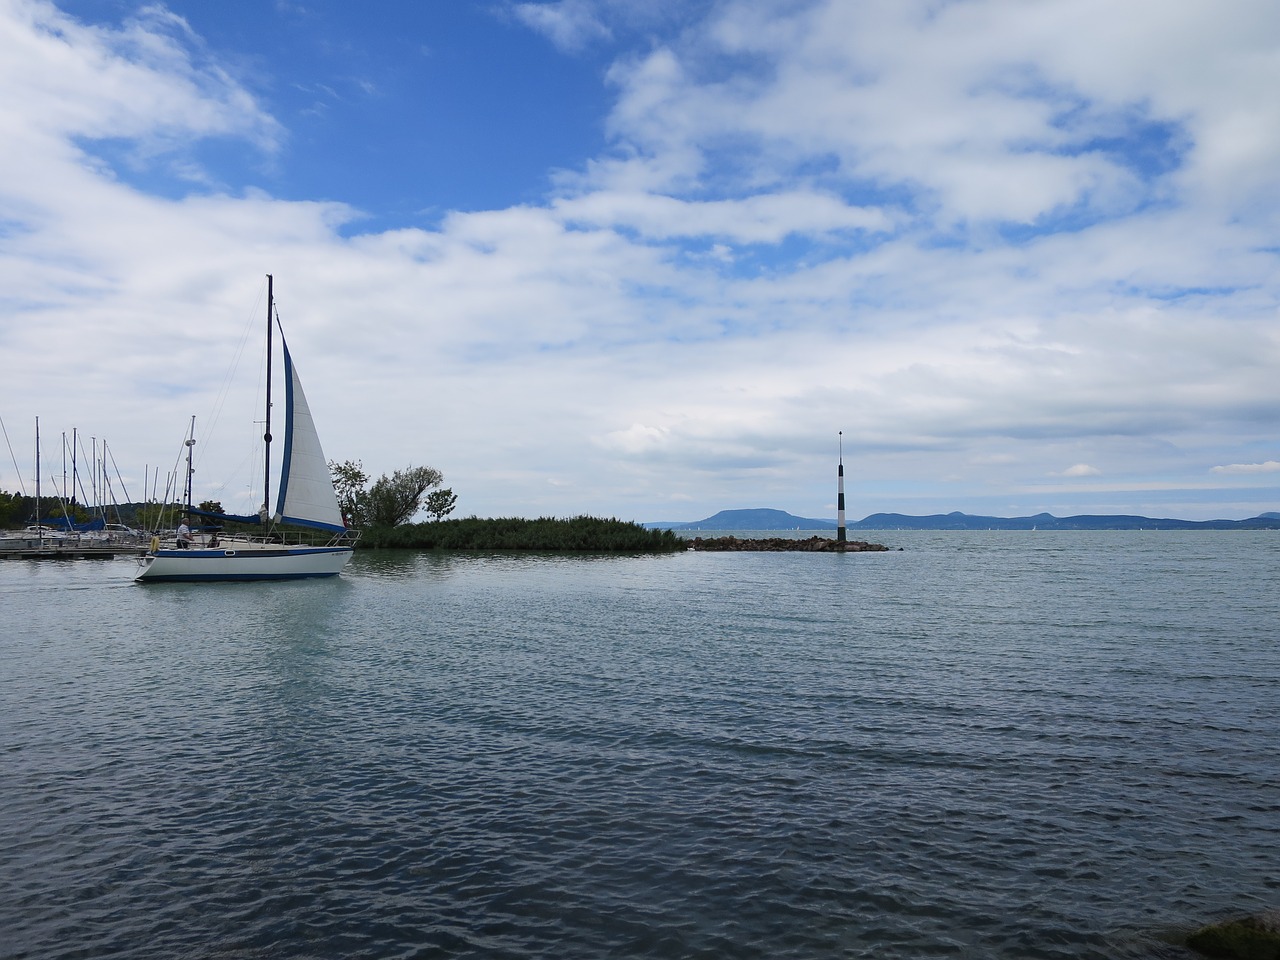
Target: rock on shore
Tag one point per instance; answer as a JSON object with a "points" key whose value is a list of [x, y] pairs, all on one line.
{"points": [[777, 544], [1244, 938]]}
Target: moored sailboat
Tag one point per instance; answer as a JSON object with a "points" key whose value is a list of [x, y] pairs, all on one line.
{"points": [[305, 499]]}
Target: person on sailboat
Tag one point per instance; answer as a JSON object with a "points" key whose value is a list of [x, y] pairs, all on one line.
{"points": [[184, 535]]}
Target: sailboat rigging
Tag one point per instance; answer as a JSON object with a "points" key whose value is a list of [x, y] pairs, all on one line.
{"points": [[304, 498]]}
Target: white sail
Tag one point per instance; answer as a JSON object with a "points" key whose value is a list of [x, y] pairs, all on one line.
{"points": [[306, 494]]}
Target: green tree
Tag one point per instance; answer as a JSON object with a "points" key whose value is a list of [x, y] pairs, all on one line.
{"points": [[349, 481], [64, 510], [390, 501], [396, 499], [440, 503], [15, 509]]}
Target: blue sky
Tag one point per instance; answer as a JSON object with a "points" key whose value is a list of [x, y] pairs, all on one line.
{"points": [[404, 110], [589, 256]]}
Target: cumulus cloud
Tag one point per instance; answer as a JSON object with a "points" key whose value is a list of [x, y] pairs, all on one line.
{"points": [[990, 111]]}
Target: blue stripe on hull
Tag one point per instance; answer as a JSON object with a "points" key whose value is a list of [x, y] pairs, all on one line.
{"points": [[242, 577], [248, 554]]}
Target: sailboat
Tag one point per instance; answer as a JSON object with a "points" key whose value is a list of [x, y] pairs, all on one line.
{"points": [[305, 498]]}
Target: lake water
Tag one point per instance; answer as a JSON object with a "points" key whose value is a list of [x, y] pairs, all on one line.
{"points": [[987, 745]]}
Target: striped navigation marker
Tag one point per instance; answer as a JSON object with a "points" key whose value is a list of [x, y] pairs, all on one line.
{"points": [[840, 536]]}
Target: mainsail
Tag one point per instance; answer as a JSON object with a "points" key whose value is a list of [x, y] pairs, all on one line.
{"points": [[306, 489]]}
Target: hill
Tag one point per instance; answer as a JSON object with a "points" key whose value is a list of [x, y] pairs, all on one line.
{"points": [[765, 519], [760, 519], [1047, 521]]}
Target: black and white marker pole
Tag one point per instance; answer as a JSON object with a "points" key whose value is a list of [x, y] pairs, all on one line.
{"points": [[840, 535]]}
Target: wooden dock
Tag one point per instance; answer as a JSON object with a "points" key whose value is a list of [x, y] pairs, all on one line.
{"points": [[68, 549]]}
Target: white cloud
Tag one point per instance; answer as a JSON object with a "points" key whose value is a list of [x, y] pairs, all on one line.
{"points": [[1270, 466], [569, 24], [144, 82], [991, 110], [768, 218], [1080, 470]]}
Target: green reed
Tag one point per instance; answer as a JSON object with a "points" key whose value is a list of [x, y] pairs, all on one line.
{"points": [[549, 534]]}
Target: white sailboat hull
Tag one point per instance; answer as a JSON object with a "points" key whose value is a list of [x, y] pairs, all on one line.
{"points": [[243, 561]]}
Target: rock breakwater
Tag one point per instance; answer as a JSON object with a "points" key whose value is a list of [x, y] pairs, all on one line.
{"points": [[777, 544]]}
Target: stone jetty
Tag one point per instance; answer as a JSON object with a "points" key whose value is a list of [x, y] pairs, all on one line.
{"points": [[778, 544]]}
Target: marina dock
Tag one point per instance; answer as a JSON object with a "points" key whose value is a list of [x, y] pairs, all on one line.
{"points": [[21, 548]]}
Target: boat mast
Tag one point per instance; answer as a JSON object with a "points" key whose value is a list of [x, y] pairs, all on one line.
{"points": [[100, 482], [75, 463], [266, 436], [39, 525], [191, 443]]}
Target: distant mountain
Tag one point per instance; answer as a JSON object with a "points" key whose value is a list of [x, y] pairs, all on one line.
{"points": [[764, 519], [1047, 521]]}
